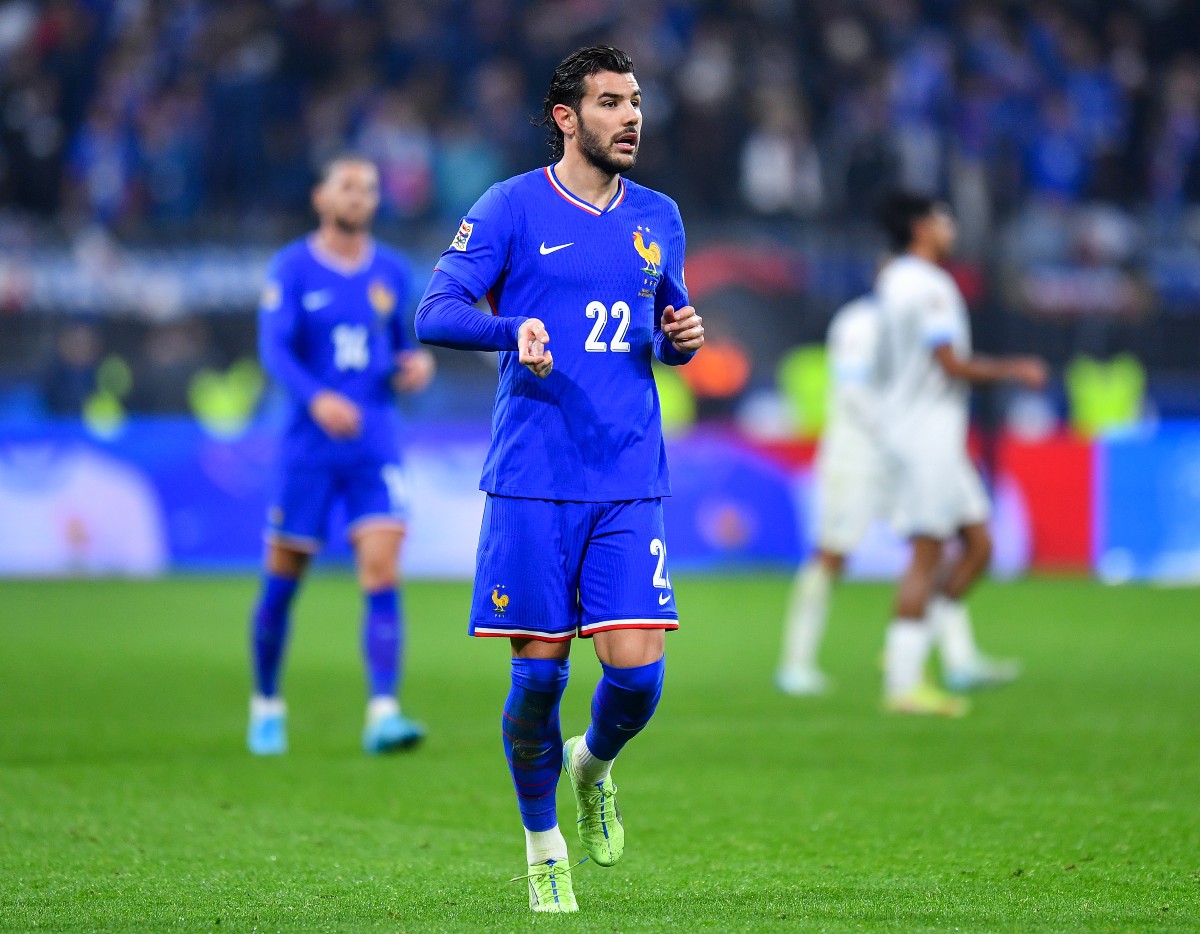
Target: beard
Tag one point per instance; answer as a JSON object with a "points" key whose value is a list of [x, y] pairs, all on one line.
{"points": [[599, 153], [347, 226]]}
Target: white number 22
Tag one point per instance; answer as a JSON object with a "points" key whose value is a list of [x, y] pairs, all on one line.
{"points": [[620, 313]]}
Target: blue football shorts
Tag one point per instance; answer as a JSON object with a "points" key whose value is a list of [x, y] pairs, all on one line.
{"points": [[372, 494], [551, 570]]}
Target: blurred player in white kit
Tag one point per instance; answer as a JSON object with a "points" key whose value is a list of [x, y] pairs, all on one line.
{"points": [[851, 480], [926, 353]]}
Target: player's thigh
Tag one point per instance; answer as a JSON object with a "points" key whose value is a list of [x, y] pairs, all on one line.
{"points": [[928, 494], [848, 501], [375, 497], [625, 581], [298, 517], [527, 569]]}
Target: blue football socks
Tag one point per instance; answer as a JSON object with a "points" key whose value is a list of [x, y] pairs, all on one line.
{"points": [[533, 737], [382, 642], [623, 704], [269, 631]]}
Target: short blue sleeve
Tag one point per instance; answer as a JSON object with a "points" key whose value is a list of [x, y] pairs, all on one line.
{"points": [[479, 253]]}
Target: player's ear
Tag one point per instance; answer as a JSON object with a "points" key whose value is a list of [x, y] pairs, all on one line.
{"points": [[317, 198], [565, 118]]}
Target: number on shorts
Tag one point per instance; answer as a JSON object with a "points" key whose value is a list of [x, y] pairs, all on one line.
{"points": [[662, 580]]}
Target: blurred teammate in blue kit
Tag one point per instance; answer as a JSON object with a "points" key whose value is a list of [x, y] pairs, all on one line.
{"points": [[573, 257], [331, 332]]}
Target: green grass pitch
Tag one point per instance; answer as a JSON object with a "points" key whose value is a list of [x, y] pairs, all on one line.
{"points": [[1070, 801]]}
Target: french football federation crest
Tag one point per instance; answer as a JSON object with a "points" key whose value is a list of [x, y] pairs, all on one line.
{"points": [[652, 254], [499, 599], [462, 237], [382, 298]]}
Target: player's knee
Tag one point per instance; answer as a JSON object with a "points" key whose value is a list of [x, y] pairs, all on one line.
{"points": [[285, 562], [541, 675], [642, 686]]}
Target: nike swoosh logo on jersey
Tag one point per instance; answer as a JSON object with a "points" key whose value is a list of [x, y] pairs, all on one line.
{"points": [[547, 250], [312, 301], [664, 599]]}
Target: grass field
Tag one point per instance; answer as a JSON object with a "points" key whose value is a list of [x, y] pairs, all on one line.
{"points": [[1070, 801]]}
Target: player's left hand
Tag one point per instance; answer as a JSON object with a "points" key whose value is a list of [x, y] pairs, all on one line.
{"points": [[683, 328], [414, 370]]}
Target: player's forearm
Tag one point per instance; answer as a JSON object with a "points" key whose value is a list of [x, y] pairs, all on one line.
{"points": [[447, 317], [976, 368]]}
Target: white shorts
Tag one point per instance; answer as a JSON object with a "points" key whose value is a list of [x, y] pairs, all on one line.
{"points": [[852, 492], [938, 492]]}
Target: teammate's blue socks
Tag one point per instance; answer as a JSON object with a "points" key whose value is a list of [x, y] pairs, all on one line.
{"points": [[269, 631], [533, 737], [623, 704], [382, 642]]}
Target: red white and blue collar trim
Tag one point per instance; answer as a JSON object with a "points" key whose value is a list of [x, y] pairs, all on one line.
{"points": [[558, 186]]}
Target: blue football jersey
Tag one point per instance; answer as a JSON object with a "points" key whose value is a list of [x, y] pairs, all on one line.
{"points": [[326, 325], [599, 279]]}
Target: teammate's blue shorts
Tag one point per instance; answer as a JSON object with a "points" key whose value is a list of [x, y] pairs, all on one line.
{"points": [[550, 570], [372, 494]]}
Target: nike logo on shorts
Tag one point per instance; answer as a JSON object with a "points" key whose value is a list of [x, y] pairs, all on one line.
{"points": [[547, 250], [664, 599]]}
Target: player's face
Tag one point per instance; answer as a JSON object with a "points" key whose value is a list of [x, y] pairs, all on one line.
{"points": [[349, 197], [943, 231], [609, 124]]}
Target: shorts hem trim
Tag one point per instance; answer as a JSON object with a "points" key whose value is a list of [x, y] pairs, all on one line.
{"points": [[481, 632], [608, 625], [382, 520], [301, 543]]}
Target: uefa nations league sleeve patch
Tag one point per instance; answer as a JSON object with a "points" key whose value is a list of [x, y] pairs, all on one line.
{"points": [[463, 237]]}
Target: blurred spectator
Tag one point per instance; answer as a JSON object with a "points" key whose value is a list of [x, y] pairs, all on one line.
{"points": [[70, 378], [172, 355]]}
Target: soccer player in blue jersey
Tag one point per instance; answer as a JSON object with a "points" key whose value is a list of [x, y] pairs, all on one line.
{"points": [[331, 333], [575, 257]]}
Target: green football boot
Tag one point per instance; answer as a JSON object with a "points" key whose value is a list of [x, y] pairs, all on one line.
{"points": [[550, 887], [599, 823]]}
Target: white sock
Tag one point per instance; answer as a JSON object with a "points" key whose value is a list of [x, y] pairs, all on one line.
{"points": [[904, 655], [587, 767], [541, 845], [952, 629], [261, 706], [807, 613], [382, 705]]}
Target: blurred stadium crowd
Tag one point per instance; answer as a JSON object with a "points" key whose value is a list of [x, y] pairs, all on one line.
{"points": [[127, 110], [1067, 136]]}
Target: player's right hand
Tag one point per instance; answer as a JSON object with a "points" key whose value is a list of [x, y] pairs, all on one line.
{"points": [[531, 345], [337, 415], [1030, 372]]}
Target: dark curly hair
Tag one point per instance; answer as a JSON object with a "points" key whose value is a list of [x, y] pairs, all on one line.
{"points": [[566, 85], [899, 211]]}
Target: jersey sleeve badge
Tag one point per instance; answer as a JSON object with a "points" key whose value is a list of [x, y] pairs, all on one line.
{"points": [[382, 298], [463, 237], [272, 297], [651, 253]]}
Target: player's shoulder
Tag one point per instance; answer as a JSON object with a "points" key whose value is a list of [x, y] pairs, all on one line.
{"points": [[907, 276], [391, 258], [859, 318], [292, 256], [640, 195], [518, 188]]}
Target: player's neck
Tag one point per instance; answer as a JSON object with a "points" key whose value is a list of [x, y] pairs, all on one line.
{"points": [[351, 247], [925, 252], [585, 181]]}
